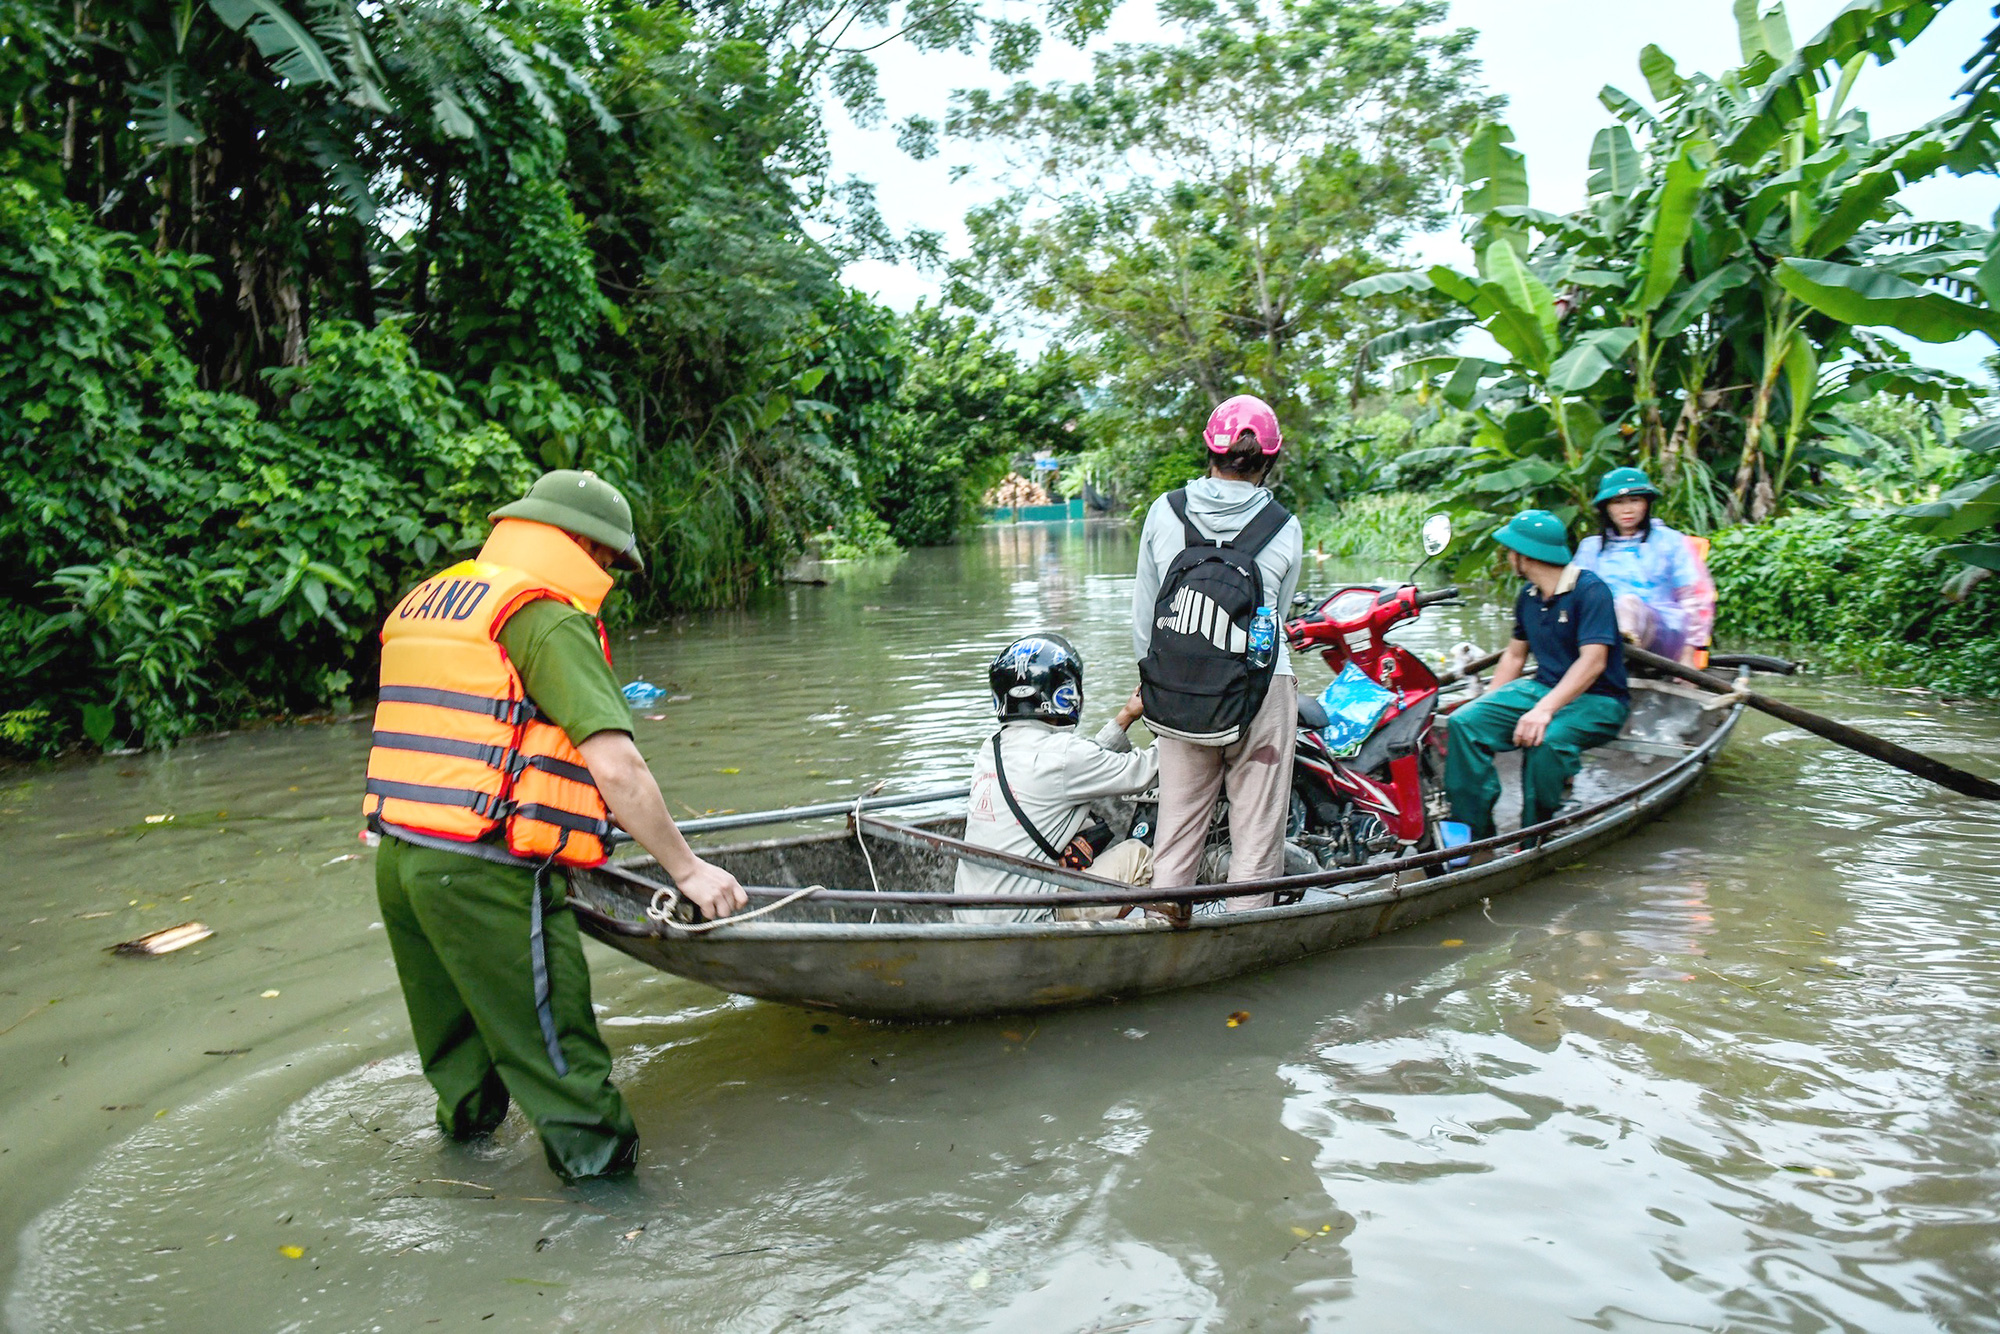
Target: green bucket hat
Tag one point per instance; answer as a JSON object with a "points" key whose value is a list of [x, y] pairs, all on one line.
{"points": [[1621, 482], [1538, 535], [583, 504]]}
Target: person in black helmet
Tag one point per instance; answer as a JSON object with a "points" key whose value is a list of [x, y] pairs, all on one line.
{"points": [[1034, 779]]}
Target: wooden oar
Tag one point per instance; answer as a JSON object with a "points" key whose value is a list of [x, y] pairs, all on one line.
{"points": [[1923, 766]]}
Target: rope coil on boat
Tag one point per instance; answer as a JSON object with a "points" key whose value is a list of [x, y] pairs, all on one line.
{"points": [[666, 898]]}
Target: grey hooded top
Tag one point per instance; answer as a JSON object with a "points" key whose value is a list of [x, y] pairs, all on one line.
{"points": [[1218, 509]]}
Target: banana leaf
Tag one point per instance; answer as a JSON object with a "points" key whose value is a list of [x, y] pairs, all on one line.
{"points": [[1868, 296]]}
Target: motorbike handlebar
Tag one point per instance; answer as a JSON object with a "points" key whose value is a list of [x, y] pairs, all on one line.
{"points": [[1431, 599]]}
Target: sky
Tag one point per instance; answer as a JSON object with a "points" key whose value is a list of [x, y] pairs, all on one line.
{"points": [[1547, 57]]}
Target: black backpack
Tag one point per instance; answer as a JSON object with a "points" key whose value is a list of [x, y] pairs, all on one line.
{"points": [[1196, 681]]}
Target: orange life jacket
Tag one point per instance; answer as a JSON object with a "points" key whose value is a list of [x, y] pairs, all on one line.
{"points": [[460, 751]]}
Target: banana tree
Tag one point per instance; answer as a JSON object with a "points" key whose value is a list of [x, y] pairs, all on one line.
{"points": [[1737, 244], [1969, 510]]}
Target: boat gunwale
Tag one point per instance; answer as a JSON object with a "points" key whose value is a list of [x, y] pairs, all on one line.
{"points": [[1581, 825]]}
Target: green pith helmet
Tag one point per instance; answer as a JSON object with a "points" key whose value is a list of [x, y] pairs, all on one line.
{"points": [[1622, 482], [1538, 535], [581, 503]]}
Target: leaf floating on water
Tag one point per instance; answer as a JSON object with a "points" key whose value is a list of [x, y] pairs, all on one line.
{"points": [[165, 941], [1823, 1172], [292, 1252], [729, 771], [1300, 1232], [1239, 1018], [158, 819], [980, 1278], [268, 995], [1011, 1035], [1451, 944]]}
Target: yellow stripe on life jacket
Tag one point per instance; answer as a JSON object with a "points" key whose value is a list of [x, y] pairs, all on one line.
{"points": [[460, 752]]}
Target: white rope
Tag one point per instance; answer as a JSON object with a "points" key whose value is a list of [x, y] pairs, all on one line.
{"points": [[667, 898], [1734, 697], [866, 856]]}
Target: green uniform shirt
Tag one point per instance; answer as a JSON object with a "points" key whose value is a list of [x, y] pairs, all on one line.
{"points": [[555, 649]]}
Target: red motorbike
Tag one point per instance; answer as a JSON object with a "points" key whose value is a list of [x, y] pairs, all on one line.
{"points": [[1387, 795], [1384, 795]]}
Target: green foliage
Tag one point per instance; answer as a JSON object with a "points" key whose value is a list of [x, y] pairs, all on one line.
{"points": [[859, 535], [1705, 314], [398, 257], [965, 408], [167, 540], [1859, 595], [1380, 526], [1188, 214]]}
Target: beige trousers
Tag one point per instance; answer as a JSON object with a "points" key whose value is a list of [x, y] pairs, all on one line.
{"points": [[1130, 863], [1257, 771]]}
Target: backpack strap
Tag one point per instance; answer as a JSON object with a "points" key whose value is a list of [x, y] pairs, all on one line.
{"points": [[1020, 817], [1265, 525], [1177, 502]]}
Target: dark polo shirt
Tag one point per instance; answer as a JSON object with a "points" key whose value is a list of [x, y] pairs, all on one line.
{"points": [[1580, 613]]}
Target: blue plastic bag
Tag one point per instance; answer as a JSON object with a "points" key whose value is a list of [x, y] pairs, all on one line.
{"points": [[1354, 704], [639, 693]]}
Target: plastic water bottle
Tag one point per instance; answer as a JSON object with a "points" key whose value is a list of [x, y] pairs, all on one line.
{"points": [[1263, 637]]}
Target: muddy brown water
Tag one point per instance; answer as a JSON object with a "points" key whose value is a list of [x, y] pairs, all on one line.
{"points": [[1739, 1072]]}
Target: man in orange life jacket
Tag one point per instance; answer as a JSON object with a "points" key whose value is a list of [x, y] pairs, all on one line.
{"points": [[503, 753]]}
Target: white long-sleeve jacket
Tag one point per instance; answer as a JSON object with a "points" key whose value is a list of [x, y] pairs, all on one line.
{"points": [[1055, 775]]}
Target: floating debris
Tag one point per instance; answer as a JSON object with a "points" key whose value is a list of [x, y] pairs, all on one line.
{"points": [[1239, 1018], [164, 942]]}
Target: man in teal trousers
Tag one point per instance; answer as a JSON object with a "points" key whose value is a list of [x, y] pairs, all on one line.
{"points": [[1576, 699]]}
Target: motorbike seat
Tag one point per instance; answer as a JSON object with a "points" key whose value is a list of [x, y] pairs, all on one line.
{"points": [[1395, 738], [1312, 714]]}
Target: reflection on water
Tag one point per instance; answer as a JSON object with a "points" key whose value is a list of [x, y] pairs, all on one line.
{"points": [[1741, 1071]]}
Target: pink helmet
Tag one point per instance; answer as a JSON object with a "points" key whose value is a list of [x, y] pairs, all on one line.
{"points": [[1245, 412]]}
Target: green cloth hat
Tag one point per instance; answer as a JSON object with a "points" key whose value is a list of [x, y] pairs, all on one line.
{"points": [[1624, 482], [1538, 535], [581, 503]]}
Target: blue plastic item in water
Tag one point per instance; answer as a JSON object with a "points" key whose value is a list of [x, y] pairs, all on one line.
{"points": [[640, 693], [1354, 704]]}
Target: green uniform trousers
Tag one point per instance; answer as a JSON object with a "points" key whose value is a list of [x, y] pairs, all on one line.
{"points": [[459, 929], [1484, 727]]}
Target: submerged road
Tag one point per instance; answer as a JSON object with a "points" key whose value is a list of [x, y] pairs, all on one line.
{"points": [[1741, 1071]]}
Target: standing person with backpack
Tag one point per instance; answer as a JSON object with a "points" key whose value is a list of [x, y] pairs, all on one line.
{"points": [[1218, 564]]}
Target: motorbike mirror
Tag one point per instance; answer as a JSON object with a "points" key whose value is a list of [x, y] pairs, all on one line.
{"points": [[1436, 534], [1300, 601]]}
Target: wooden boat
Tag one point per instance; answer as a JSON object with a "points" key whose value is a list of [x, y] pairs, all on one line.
{"points": [[880, 939]]}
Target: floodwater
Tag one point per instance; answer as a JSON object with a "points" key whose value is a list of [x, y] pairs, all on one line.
{"points": [[1739, 1072]]}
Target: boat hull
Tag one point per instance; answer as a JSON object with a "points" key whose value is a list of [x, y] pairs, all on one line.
{"points": [[942, 969]]}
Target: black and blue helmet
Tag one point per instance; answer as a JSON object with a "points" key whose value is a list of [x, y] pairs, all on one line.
{"points": [[1039, 677]]}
